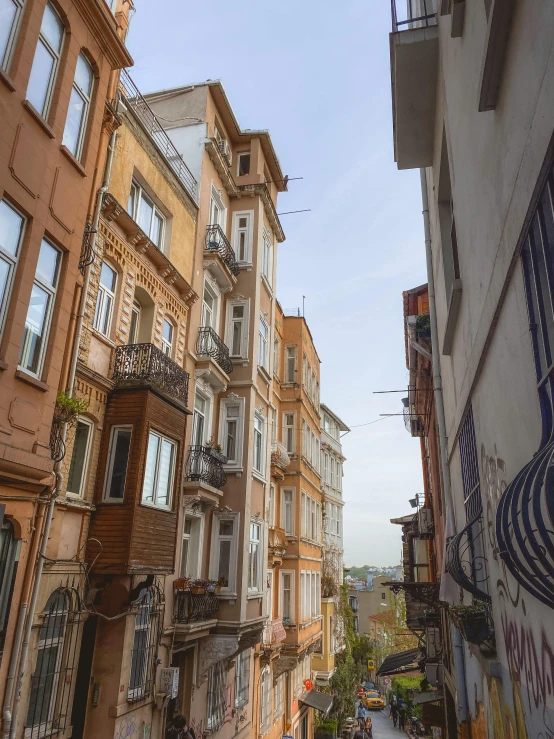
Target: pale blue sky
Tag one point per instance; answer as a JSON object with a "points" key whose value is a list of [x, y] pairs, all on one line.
{"points": [[316, 74]]}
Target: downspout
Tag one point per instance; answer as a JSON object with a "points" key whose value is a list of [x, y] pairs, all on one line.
{"points": [[10, 720], [447, 585]]}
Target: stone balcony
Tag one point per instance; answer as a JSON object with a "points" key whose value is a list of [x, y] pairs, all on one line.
{"points": [[280, 460]]}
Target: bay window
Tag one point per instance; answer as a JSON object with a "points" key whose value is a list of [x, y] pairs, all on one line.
{"points": [[118, 460], [159, 471], [79, 105], [259, 443], [46, 61], [223, 559], [254, 559]]}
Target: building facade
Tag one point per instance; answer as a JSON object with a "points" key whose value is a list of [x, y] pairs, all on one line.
{"points": [[473, 109]]}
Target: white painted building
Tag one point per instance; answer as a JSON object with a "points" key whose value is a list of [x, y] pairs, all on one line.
{"points": [[473, 106], [332, 460]]}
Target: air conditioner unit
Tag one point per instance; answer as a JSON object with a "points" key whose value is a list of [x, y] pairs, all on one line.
{"points": [[425, 524], [225, 149], [433, 642], [434, 673]]}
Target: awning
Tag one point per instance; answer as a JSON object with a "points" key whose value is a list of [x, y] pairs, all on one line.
{"points": [[320, 701], [400, 662], [430, 696]]}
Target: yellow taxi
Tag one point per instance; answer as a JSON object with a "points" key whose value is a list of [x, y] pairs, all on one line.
{"points": [[372, 700]]}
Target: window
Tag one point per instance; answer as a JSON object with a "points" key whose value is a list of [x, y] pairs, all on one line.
{"points": [[265, 701], [209, 306], [200, 420], [273, 424], [148, 216], [79, 105], [9, 558], [113, 5], [287, 596], [46, 61], [159, 470], [216, 696], [327, 424], [76, 479], [191, 548], [237, 329], [447, 224], [303, 597], [105, 300], [267, 248], [304, 723], [289, 420], [288, 511], [325, 467], [231, 421], [118, 460], [279, 697], [259, 442], [12, 225], [242, 678], [217, 209], [290, 363], [276, 357], [243, 164], [39, 314], [254, 564], [10, 15], [135, 323], [223, 560], [242, 236], [263, 357], [145, 645], [271, 505], [338, 520], [167, 338]]}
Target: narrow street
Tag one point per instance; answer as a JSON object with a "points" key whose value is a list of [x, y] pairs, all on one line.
{"points": [[382, 726]]}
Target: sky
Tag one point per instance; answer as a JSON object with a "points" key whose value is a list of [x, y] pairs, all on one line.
{"points": [[316, 74]]}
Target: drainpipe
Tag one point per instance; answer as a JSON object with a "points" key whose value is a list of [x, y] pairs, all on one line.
{"points": [[447, 585], [21, 644]]}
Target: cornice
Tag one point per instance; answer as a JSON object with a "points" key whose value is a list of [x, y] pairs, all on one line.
{"points": [[102, 24]]}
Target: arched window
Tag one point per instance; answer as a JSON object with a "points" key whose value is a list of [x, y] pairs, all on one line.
{"points": [[167, 338], [148, 622], [9, 557], [51, 684]]}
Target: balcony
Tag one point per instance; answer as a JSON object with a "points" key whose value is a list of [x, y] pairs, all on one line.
{"points": [[280, 460], [191, 608], [205, 465], [276, 545], [274, 633], [144, 365], [220, 259], [414, 47], [208, 344]]}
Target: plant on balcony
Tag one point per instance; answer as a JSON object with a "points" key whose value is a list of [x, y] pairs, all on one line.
{"points": [[216, 451], [222, 582], [199, 587], [423, 326], [181, 583], [473, 622], [66, 413], [287, 621]]}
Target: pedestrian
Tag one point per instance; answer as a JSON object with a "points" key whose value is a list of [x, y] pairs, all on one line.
{"points": [[179, 729], [394, 712], [362, 733], [361, 716], [401, 717], [369, 727]]}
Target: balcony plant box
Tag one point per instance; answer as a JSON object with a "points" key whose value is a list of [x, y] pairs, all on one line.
{"points": [[198, 590], [216, 452], [473, 623], [181, 583]]}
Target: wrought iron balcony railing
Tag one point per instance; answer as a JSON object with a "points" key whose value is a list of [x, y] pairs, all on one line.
{"points": [[217, 241], [279, 455], [209, 344], [274, 633], [205, 464], [420, 14], [152, 126], [191, 608], [466, 561], [137, 364]]}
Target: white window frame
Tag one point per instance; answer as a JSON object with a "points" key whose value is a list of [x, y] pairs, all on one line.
{"points": [[267, 254], [232, 464], [211, 287], [12, 261], [291, 490], [154, 502], [217, 200], [110, 461], [265, 701], [215, 716], [51, 290], [86, 97], [230, 591], [294, 357], [260, 417], [86, 460], [167, 346], [279, 697], [263, 344], [271, 506], [281, 595], [289, 431], [136, 311], [242, 678], [240, 155], [245, 324], [137, 194], [208, 399], [255, 587], [276, 356], [195, 566], [249, 215], [104, 293], [56, 55], [6, 59]]}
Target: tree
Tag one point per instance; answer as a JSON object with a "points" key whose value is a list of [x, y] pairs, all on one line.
{"points": [[345, 677]]}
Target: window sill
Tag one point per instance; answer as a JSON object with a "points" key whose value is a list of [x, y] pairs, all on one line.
{"points": [[78, 166], [264, 374], [31, 380], [254, 596], [153, 506], [259, 477], [452, 317], [265, 283], [103, 339], [3, 365], [227, 596], [232, 469], [38, 118], [7, 80]]}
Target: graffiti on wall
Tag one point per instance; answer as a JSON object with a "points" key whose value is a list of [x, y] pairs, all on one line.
{"points": [[126, 728], [200, 725]]}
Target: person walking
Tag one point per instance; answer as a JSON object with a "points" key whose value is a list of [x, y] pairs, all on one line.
{"points": [[361, 715], [394, 713], [179, 729], [401, 717]]}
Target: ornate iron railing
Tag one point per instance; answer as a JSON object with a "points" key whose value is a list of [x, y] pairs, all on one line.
{"points": [[217, 241], [145, 363], [279, 455], [466, 561], [205, 464], [209, 344], [191, 608], [152, 126], [421, 13]]}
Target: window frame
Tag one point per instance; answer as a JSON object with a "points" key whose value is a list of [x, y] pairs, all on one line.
{"points": [[215, 708], [56, 55], [229, 591], [103, 294], [262, 431], [289, 429], [244, 321], [240, 156], [110, 462], [249, 215], [171, 481], [87, 100], [291, 490], [225, 403], [294, 358], [242, 678], [255, 588], [139, 194], [86, 461], [52, 292], [271, 506], [167, 346], [267, 254], [197, 521], [279, 697], [282, 614], [266, 706], [276, 356], [263, 343], [136, 311], [12, 261], [6, 60]]}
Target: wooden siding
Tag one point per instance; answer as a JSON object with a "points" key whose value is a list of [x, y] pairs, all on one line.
{"points": [[137, 538]]}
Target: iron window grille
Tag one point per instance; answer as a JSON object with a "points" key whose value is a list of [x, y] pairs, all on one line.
{"points": [[9, 557], [49, 709], [147, 637], [420, 14], [242, 678], [216, 696]]}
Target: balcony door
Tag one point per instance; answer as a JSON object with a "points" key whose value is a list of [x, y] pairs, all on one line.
{"points": [[210, 303], [217, 210]]}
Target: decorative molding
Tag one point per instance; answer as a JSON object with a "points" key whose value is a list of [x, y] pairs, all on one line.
{"points": [[212, 650]]}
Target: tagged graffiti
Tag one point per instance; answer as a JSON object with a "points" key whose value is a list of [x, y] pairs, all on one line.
{"points": [[200, 726], [126, 727]]}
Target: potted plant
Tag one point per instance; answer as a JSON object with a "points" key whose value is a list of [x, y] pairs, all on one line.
{"points": [[221, 583], [287, 621], [473, 622], [215, 451], [198, 587], [181, 583]]}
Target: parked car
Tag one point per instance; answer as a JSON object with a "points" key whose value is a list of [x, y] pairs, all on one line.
{"points": [[373, 700]]}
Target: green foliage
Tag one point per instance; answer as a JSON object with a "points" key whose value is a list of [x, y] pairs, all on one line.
{"points": [[67, 409], [326, 727], [423, 325], [363, 648], [403, 687], [359, 573], [344, 678]]}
